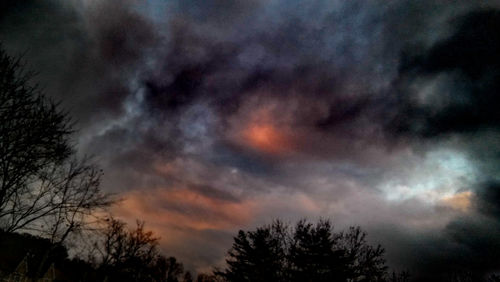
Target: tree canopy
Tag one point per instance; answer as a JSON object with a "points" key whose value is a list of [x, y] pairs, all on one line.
{"points": [[304, 252]]}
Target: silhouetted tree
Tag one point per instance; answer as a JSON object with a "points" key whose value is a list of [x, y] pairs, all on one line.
{"points": [[188, 277], [203, 277], [462, 276], [307, 252], [494, 278], [60, 202], [399, 277], [34, 133], [365, 262], [174, 269], [314, 255], [42, 188], [132, 255], [257, 255]]}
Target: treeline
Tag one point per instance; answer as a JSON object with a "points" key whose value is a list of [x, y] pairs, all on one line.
{"points": [[306, 252], [117, 254]]}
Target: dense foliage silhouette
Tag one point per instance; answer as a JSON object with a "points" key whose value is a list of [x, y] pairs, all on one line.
{"points": [[305, 252]]}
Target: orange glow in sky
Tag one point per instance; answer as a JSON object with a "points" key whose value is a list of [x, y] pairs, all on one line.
{"points": [[185, 208], [265, 137]]}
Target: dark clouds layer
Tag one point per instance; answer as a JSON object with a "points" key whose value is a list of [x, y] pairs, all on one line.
{"points": [[217, 115], [462, 71], [465, 69]]}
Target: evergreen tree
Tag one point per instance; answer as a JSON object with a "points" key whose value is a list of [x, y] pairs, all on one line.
{"points": [[257, 255], [307, 252], [313, 256]]}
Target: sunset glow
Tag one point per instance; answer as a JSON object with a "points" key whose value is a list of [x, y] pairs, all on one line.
{"points": [[183, 208], [266, 138]]}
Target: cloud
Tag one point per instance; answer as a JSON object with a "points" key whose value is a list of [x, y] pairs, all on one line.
{"points": [[210, 116], [468, 243], [452, 85]]}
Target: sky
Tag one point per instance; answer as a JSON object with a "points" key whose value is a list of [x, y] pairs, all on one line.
{"points": [[212, 116]]}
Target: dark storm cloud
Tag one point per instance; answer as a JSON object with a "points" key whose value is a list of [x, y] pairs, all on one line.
{"points": [[124, 38], [220, 58], [468, 65], [308, 54], [294, 62], [87, 55], [291, 56]]}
